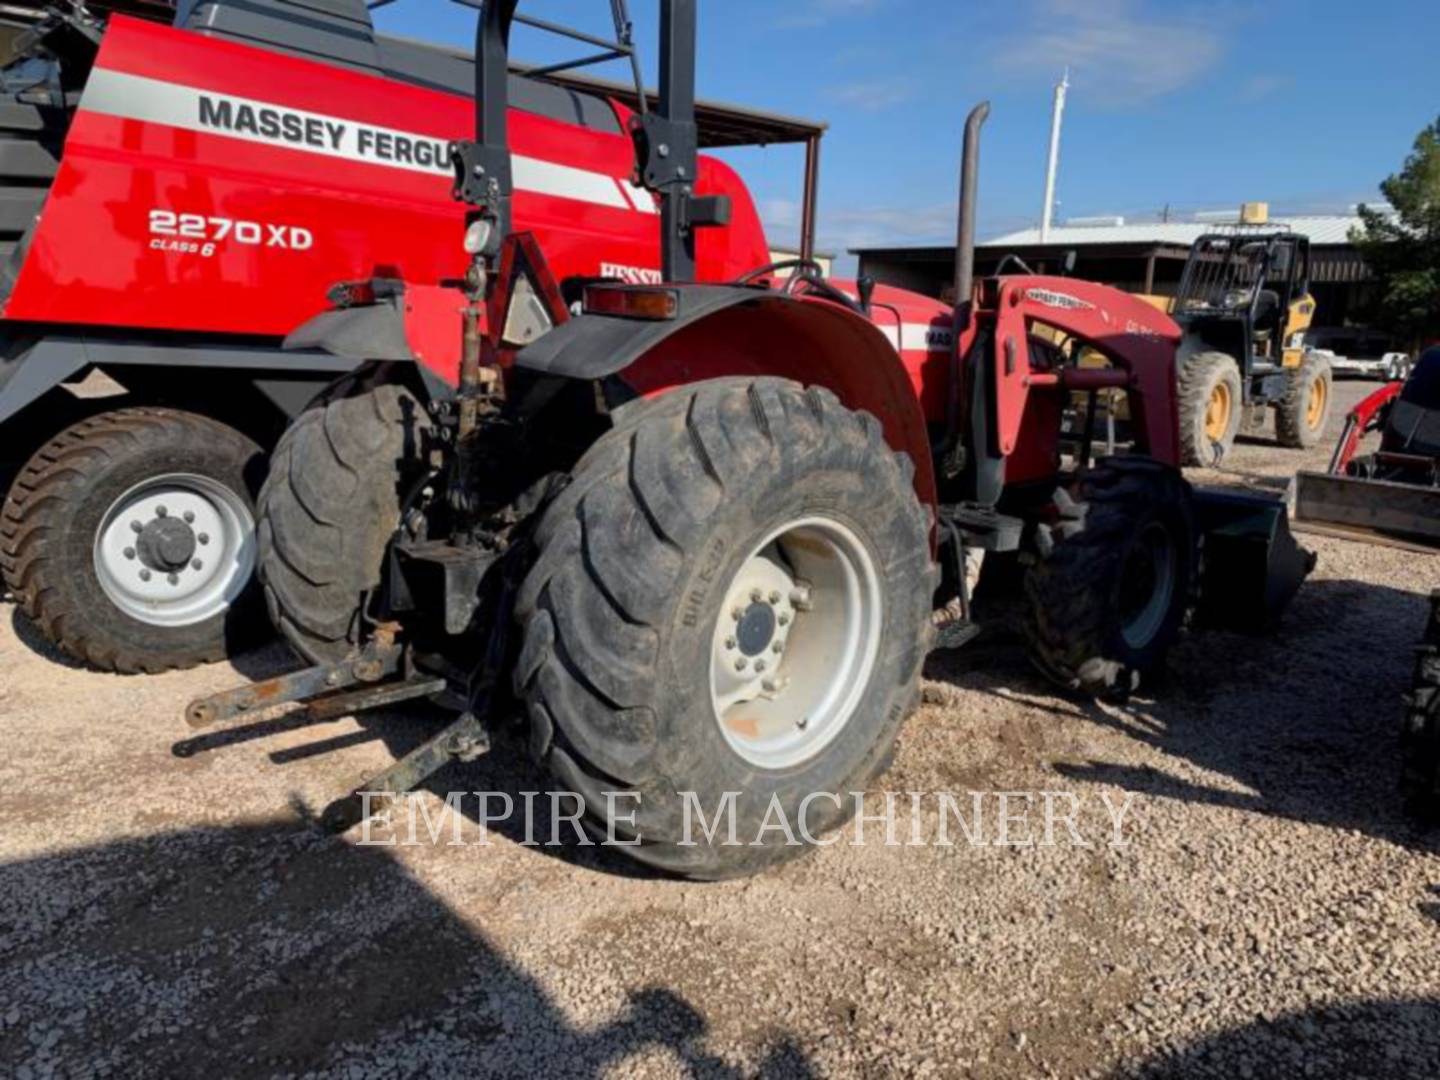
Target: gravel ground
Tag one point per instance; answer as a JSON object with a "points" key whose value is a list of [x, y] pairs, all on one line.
{"points": [[172, 911]]}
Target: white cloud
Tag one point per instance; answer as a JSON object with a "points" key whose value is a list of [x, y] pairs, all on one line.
{"points": [[872, 95], [1117, 52]]}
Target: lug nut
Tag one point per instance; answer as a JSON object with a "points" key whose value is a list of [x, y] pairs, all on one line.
{"points": [[737, 614], [774, 598], [759, 665], [189, 517], [730, 643], [756, 596], [740, 664], [174, 579], [160, 511], [204, 538], [778, 648], [130, 553], [136, 527], [784, 620], [144, 575], [770, 686], [197, 565]]}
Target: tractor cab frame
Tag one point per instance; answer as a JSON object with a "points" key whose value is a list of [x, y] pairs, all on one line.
{"points": [[1239, 293]]}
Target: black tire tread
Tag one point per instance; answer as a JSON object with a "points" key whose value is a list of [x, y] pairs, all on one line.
{"points": [[1290, 428], [611, 548], [326, 512], [1066, 617], [1420, 737], [1195, 379]]}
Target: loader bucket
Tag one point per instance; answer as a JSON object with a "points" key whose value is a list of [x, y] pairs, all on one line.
{"points": [[1251, 566], [1378, 511]]}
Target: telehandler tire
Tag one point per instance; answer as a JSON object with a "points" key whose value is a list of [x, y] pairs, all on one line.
{"points": [[1211, 402], [1301, 415], [129, 540], [330, 506], [725, 623], [1106, 601]]}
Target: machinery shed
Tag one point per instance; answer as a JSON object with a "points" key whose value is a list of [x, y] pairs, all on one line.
{"points": [[1142, 257]]}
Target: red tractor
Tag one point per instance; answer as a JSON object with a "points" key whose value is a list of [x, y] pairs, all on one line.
{"points": [[696, 532], [179, 189]]}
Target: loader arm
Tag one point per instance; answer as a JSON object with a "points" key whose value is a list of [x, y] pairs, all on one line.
{"points": [[1366, 417], [1010, 387]]}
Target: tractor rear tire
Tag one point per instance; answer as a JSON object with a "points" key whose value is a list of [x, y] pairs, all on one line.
{"points": [[1420, 738], [329, 508], [1211, 403], [1301, 415], [1109, 594], [659, 596], [129, 540]]}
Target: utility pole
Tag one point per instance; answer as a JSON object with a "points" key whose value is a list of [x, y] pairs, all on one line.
{"points": [[1057, 116]]}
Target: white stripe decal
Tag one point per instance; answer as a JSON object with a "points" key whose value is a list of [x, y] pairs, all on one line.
{"points": [[137, 97], [918, 337]]}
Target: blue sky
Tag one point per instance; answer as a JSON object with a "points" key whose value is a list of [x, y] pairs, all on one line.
{"points": [[1307, 105]]}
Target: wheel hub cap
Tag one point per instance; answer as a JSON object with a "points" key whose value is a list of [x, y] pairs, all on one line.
{"points": [[795, 643], [166, 544], [756, 629], [175, 550]]}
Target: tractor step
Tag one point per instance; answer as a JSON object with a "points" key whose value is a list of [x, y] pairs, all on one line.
{"points": [[464, 740]]}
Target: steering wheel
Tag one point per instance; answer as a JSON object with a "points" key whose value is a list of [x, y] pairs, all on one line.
{"points": [[800, 269], [1019, 262]]}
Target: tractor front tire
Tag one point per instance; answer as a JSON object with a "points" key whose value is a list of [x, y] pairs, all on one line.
{"points": [[129, 540], [1211, 403], [1301, 415], [725, 623], [1108, 594], [329, 508]]}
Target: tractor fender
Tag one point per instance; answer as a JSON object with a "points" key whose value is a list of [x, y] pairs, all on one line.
{"points": [[730, 330]]}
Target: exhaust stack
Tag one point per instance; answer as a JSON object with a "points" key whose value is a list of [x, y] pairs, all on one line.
{"points": [[965, 242]]}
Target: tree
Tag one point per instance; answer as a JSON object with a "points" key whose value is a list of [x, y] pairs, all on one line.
{"points": [[1403, 247]]}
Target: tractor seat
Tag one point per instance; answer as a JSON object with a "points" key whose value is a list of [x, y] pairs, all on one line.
{"points": [[1267, 314], [1413, 426]]}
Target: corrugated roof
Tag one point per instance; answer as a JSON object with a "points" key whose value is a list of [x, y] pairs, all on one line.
{"points": [[1321, 229]]}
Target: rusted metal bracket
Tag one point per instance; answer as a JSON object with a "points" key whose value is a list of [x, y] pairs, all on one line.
{"points": [[464, 740], [379, 660]]}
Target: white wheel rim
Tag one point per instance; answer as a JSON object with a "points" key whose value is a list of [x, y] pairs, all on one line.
{"points": [[796, 643], [175, 550], [1151, 563]]}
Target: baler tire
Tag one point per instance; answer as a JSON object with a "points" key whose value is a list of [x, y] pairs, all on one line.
{"points": [[57, 507], [1295, 429], [1073, 616], [621, 611], [329, 508], [1420, 737], [1199, 377]]}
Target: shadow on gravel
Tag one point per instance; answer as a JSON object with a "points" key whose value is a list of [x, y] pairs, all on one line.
{"points": [[276, 949], [28, 635], [506, 771], [1338, 1042], [1306, 722]]}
